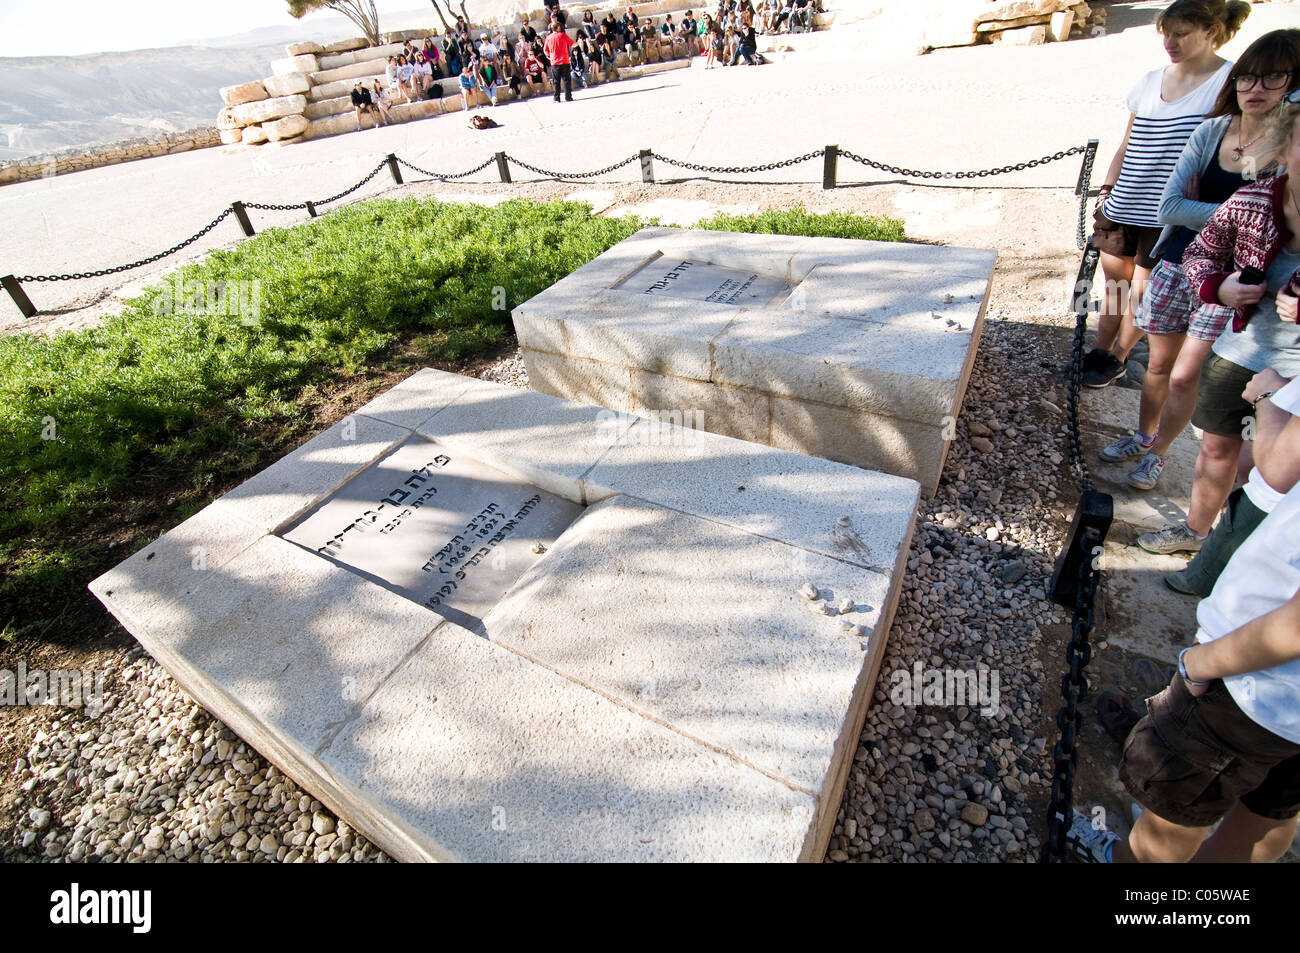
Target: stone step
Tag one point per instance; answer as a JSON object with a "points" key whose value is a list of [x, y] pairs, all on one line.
{"points": [[334, 116], [343, 87], [343, 104], [335, 60], [364, 68], [328, 107]]}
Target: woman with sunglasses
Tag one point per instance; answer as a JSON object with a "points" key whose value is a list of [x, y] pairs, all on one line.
{"points": [[1165, 107], [1225, 152]]}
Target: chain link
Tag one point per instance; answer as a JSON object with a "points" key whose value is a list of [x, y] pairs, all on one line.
{"points": [[1082, 299], [1074, 688], [455, 175], [740, 169], [982, 173], [373, 172], [573, 175], [135, 264], [276, 208], [1084, 187], [1085, 177]]}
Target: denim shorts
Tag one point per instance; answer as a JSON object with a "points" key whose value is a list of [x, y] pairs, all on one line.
{"points": [[1193, 757]]}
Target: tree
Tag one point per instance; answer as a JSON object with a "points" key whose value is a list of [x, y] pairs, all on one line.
{"points": [[360, 12], [447, 27]]}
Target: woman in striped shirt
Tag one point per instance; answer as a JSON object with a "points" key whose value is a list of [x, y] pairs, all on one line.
{"points": [[1165, 107]]}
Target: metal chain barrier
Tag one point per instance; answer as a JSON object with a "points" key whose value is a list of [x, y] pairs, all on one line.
{"points": [[135, 264], [1082, 302], [573, 175], [276, 208], [373, 172], [1077, 575], [451, 175], [740, 169], [1074, 688], [1082, 189], [982, 173]]}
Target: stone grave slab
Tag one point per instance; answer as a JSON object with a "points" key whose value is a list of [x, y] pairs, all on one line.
{"points": [[422, 521], [628, 672], [855, 351]]}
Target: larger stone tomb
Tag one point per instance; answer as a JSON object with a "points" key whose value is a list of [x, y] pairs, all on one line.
{"points": [[857, 351], [635, 674]]}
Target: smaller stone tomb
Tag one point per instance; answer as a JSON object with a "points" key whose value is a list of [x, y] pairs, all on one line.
{"points": [[681, 674], [856, 351], [437, 527]]}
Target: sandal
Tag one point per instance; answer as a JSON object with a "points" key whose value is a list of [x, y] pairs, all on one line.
{"points": [[1116, 715]]}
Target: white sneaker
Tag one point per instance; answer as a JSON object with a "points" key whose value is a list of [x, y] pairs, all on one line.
{"points": [[1090, 844], [1125, 448], [1147, 472], [1172, 539]]}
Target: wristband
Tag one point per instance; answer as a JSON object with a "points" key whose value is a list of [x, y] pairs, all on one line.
{"points": [[1182, 669], [1254, 404]]}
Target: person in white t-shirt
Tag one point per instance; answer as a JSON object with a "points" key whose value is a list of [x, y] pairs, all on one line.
{"points": [[1221, 744], [1165, 107], [1276, 450]]}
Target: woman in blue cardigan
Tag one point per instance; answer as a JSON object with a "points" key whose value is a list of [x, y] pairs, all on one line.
{"points": [[1225, 152]]}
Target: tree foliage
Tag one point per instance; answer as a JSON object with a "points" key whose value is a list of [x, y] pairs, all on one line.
{"points": [[360, 12]]}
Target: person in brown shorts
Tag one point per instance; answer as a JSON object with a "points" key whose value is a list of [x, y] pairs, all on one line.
{"points": [[1221, 744]]}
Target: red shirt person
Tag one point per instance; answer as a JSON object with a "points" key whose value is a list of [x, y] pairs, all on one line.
{"points": [[557, 47]]}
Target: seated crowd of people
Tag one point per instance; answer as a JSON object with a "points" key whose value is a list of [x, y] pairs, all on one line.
{"points": [[530, 63]]}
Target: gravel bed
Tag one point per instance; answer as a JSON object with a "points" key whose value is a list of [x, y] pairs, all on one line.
{"points": [[155, 777]]}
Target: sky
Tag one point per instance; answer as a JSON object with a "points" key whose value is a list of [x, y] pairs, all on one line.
{"points": [[73, 27]]}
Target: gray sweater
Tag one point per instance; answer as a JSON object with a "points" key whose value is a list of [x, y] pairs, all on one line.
{"points": [[1175, 208]]}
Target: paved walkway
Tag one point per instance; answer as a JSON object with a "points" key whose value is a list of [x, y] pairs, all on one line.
{"points": [[953, 109]]}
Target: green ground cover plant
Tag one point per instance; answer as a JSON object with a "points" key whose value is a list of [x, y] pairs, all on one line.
{"points": [[110, 434]]}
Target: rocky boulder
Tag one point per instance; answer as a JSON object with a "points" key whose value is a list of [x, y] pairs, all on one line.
{"points": [[306, 63], [288, 85], [285, 128], [344, 46], [250, 113], [242, 93]]}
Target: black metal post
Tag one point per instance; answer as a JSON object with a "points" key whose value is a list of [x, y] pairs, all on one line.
{"points": [[392, 167], [311, 209], [241, 213], [647, 166], [828, 166], [16, 292], [503, 167]]}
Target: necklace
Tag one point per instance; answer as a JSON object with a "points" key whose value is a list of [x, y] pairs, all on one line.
{"points": [[1238, 152]]}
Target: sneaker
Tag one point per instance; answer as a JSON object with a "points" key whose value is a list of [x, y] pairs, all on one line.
{"points": [[1093, 359], [1090, 845], [1172, 539], [1177, 581], [1125, 448], [1109, 370], [1147, 472]]}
